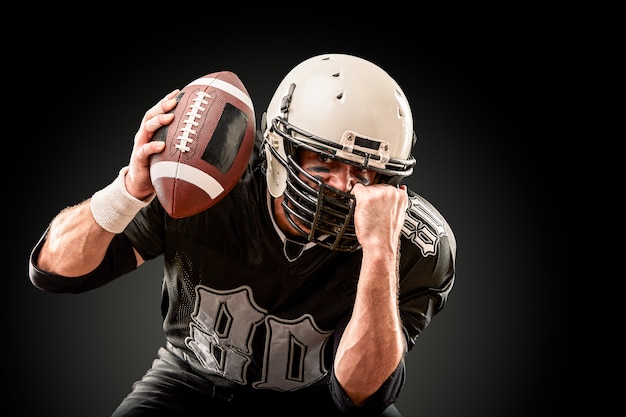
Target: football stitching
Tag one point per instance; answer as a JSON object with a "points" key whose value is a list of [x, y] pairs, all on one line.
{"points": [[190, 123]]}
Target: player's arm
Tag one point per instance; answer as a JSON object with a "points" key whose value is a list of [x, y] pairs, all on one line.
{"points": [[373, 344], [77, 239]]}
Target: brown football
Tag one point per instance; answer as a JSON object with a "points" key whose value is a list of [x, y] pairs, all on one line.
{"points": [[207, 145]]}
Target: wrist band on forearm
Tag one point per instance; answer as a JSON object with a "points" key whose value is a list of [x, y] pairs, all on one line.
{"points": [[113, 207]]}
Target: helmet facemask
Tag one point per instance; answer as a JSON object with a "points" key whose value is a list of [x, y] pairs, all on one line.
{"points": [[310, 204], [345, 109], [320, 213]]}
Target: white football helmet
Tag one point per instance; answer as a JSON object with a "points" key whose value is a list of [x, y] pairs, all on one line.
{"points": [[346, 108]]}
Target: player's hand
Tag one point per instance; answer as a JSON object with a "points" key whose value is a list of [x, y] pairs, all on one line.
{"points": [[138, 181], [379, 215]]}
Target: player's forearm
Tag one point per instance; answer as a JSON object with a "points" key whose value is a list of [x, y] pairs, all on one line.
{"points": [[75, 244], [79, 236], [372, 345]]}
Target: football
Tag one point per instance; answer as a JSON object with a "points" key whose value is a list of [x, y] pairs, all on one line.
{"points": [[207, 145]]}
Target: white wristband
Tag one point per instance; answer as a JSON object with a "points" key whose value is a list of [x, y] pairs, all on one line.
{"points": [[113, 207]]}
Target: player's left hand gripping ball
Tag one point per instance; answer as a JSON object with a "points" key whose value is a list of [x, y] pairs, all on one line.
{"points": [[207, 145]]}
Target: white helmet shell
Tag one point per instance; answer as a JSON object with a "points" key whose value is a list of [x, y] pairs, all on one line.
{"points": [[336, 97]]}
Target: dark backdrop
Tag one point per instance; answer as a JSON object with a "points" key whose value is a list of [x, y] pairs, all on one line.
{"points": [[77, 100]]}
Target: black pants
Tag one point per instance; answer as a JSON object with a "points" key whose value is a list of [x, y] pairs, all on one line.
{"points": [[170, 388]]}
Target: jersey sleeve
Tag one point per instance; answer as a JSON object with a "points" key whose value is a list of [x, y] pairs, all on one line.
{"points": [[146, 231], [427, 266], [118, 260]]}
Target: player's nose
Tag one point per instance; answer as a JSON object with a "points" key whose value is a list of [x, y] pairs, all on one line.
{"points": [[342, 178]]}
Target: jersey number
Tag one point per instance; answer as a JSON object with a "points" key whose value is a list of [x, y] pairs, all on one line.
{"points": [[223, 326]]}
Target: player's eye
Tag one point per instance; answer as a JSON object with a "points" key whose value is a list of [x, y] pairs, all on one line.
{"points": [[322, 157]]}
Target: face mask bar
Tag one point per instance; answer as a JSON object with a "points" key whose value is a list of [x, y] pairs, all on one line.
{"points": [[326, 211]]}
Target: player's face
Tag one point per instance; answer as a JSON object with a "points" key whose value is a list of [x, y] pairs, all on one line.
{"points": [[328, 171]]}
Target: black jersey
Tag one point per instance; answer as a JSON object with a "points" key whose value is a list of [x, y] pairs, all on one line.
{"points": [[245, 306]]}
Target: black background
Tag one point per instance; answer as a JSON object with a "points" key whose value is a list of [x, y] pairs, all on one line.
{"points": [[480, 109]]}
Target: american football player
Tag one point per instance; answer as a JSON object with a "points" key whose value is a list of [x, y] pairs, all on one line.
{"points": [[306, 286]]}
